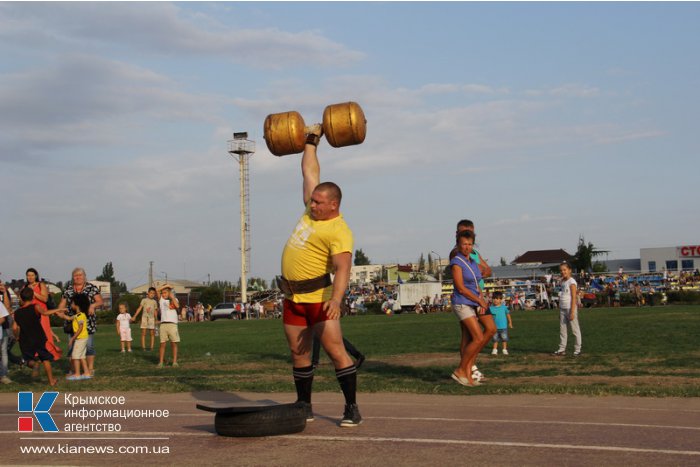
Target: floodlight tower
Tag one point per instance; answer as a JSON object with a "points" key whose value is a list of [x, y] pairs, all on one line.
{"points": [[241, 148]]}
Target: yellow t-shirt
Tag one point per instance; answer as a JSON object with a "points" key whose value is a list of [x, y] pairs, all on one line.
{"points": [[308, 252], [80, 317]]}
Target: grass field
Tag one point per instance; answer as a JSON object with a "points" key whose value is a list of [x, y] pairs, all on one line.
{"points": [[627, 351]]}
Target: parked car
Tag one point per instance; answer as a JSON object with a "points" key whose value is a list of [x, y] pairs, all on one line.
{"points": [[224, 310]]}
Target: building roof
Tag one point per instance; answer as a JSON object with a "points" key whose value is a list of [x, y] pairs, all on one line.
{"points": [[543, 256]]}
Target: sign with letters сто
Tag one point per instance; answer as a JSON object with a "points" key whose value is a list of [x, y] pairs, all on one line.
{"points": [[689, 251]]}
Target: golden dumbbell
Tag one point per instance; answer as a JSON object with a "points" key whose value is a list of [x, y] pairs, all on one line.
{"points": [[343, 124]]}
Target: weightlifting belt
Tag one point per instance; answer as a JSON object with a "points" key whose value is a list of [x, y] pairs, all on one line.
{"points": [[305, 286]]}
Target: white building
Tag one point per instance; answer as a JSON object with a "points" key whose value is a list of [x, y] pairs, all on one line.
{"points": [[365, 274], [672, 258], [105, 292]]}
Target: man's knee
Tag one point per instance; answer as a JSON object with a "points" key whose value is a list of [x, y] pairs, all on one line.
{"points": [[336, 351]]}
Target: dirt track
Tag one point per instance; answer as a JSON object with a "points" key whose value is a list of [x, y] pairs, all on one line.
{"points": [[401, 429]]}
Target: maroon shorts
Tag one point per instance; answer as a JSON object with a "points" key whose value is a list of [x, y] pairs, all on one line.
{"points": [[303, 314]]}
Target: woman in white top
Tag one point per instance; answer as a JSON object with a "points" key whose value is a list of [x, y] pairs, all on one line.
{"points": [[568, 311]]}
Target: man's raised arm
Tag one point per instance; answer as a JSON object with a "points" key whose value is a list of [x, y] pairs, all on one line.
{"points": [[310, 169]]}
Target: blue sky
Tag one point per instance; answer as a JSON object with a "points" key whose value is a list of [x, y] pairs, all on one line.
{"points": [[540, 122]]}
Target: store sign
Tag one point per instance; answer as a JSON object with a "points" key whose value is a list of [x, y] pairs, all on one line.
{"points": [[690, 251]]}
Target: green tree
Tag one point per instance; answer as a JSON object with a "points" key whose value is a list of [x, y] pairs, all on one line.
{"points": [[107, 273], [585, 254], [108, 276], [503, 261], [447, 273], [431, 264], [421, 263], [257, 283], [221, 285], [417, 277], [210, 295], [361, 259]]}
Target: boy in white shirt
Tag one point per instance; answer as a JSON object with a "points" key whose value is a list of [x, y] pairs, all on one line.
{"points": [[168, 323], [568, 311]]}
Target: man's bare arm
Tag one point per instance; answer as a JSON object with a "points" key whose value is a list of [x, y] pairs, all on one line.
{"points": [[310, 169], [341, 263]]}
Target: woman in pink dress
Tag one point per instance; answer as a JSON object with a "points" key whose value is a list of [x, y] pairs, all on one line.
{"points": [[41, 296]]}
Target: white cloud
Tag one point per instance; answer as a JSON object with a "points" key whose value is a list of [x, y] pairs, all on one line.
{"points": [[81, 100], [164, 28], [405, 128]]}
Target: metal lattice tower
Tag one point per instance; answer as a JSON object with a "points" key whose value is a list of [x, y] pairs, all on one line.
{"points": [[241, 148]]}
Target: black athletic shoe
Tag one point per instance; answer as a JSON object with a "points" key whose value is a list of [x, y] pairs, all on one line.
{"points": [[577, 354], [559, 353], [351, 417], [359, 362], [308, 409]]}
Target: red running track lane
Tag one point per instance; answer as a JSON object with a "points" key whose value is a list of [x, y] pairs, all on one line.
{"points": [[398, 429]]}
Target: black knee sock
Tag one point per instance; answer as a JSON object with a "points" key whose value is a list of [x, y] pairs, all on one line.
{"points": [[347, 377], [303, 379], [349, 348]]}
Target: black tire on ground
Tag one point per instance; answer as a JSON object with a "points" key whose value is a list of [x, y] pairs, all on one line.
{"points": [[273, 420]]}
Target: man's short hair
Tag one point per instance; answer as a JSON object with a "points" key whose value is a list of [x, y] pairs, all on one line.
{"points": [[332, 189], [465, 223], [26, 294], [497, 295], [152, 288], [466, 234]]}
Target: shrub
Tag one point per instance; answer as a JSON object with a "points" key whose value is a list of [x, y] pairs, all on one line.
{"points": [[374, 308], [683, 297]]}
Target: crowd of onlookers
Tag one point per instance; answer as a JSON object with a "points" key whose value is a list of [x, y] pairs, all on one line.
{"points": [[541, 292]]}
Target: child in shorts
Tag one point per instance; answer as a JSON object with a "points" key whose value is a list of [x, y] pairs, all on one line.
{"points": [[123, 326], [168, 323], [149, 306], [79, 340], [501, 316]]}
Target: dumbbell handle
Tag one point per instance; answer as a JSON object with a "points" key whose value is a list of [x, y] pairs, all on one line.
{"points": [[310, 128], [311, 136]]}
